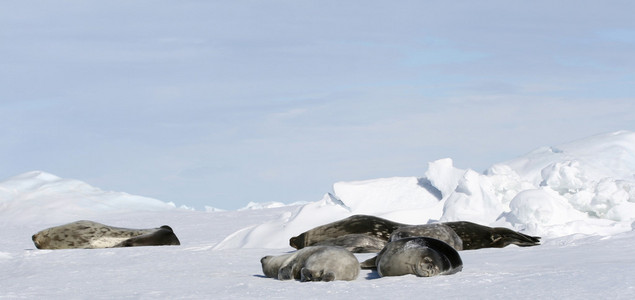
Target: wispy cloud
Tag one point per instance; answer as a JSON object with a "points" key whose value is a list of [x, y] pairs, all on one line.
{"points": [[219, 104]]}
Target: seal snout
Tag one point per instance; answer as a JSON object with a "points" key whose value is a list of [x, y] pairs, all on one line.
{"points": [[35, 241]]}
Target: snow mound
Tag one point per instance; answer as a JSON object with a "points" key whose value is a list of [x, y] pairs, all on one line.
{"points": [[40, 197], [313, 214], [266, 205], [583, 187]]}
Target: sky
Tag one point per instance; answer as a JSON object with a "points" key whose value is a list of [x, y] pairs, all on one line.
{"points": [[216, 103]]}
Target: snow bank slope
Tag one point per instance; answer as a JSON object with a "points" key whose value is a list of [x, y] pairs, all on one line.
{"points": [[586, 186], [39, 197]]}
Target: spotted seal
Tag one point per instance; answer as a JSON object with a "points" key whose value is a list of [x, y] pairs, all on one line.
{"points": [[421, 256], [357, 224], [356, 243], [91, 235], [472, 235], [438, 231], [475, 236], [314, 263]]}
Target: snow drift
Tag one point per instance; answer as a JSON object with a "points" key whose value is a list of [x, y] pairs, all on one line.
{"points": [[40, 197], [578, 196], [585, 187]]}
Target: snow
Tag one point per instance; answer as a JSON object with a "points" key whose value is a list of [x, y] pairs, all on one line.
{"points": [[578, 196], [42, 197]]}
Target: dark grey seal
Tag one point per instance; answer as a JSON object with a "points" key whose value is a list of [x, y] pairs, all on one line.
{"points": [[437, 231], [475, 236], [421, 256], [358, 224], [356, 243], [472, 235], [91, 235]]}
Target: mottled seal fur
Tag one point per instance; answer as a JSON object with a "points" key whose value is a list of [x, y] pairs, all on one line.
{"points": [[437, 231], [421, 256], [357, 224], [315, 263], [90, 235], [472, 235], [475, 236], [356, 243]]}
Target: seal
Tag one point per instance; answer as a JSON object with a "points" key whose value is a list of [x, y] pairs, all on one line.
{"points": [[162, 236], [357, 224], [356, 243], [475, 236], [421, 256], [92, 235], [472, 235], [315, 263], [438, 231]]}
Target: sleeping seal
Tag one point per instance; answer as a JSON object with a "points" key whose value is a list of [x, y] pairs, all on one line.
{"points": [[472, 235], [91, 235], [475, 236], [356, 243], [421, 256], [316, 263], [437, 231], [357, 224]]}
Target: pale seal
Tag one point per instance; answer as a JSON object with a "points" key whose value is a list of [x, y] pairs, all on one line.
{"points": [[421, 256], [316, 263], [91, 235]]}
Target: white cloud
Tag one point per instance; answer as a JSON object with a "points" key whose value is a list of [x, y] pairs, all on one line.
{"points": [[234, 101]]}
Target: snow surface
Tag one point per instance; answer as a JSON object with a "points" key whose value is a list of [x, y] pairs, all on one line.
{"points": [[579, 196]]}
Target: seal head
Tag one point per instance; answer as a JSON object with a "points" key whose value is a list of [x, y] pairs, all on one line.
{"points": [[421, 256]]}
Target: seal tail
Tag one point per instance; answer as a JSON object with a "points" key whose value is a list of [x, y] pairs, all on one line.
{"points": [[518, 239], [369, 263]]}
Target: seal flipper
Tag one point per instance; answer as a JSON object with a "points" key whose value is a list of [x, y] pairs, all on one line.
{"points": [[306, 275], [475, 236], [285, 273], [161, 237], [328, 276], [309, 275], [370, 263], [504, 237]]}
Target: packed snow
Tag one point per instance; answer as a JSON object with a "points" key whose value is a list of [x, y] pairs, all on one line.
{"points": [[579, 196], [585, 187]]}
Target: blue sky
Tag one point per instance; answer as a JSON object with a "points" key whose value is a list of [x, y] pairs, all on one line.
{"points": [[220, 103]]}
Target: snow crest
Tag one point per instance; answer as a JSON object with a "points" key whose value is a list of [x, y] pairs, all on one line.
{"points": [[583, 187], [40, 197]]}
